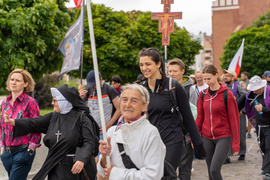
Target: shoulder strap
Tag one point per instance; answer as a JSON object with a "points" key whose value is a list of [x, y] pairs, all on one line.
{"points": [[203, 94], [225, 96], [172, 84], [197, 90], [172, 92], [125, 158]]}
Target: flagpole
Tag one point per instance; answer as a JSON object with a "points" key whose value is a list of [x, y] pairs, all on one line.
{"points": [[82, 9], [94, 54], [165, 59]]}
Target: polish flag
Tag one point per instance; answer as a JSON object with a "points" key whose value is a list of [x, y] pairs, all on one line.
{"points": [[236, 62], [78, 3]]}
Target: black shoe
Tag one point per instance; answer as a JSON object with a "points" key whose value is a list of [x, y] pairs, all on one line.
{"points": [[266, 177], [242, 157], [227, 161], [263, 172], [248, 135]]}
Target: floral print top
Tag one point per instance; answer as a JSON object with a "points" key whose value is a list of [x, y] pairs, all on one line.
{"points": [[23, 107]]}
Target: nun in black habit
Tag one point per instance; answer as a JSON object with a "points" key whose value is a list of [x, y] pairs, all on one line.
{"points": [[69, 137]]}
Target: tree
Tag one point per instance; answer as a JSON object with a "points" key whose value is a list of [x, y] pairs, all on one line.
{"points": [[256, 56], [262, 21], [119, 37], [30, 32]]}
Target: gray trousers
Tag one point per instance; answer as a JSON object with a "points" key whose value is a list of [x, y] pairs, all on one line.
{"points": [[216, 153]]}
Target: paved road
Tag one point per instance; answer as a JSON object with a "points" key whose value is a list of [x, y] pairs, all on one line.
{"points": [[250, 169]]}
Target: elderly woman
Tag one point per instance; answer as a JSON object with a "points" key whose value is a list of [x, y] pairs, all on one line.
{"points": [[17, 154], [69, 136], [141, 140]]}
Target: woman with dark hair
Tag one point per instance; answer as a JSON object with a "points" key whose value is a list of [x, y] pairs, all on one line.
{"points": [[161, 111], [217, 121], [69, 136]]}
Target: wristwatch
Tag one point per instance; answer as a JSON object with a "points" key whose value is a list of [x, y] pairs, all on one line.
{"points": [[31, 152]]}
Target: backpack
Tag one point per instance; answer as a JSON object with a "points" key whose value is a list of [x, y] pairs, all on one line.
{"points": [[95, 131], [225, 96]]}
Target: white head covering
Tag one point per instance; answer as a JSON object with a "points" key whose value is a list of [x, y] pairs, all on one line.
{"points": [[256, 83], [64, 105]]}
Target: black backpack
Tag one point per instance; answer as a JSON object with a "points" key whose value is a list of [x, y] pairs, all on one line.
{"points": [[95, 131]]}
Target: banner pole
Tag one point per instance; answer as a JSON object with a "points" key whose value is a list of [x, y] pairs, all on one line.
{"points": [[82, 9], [94, 53], [165, 59]]}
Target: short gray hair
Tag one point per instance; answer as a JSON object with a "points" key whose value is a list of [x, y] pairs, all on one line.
{"points": [[142, 90]]}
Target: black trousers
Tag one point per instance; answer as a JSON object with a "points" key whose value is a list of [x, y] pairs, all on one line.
{"points": [[186, 160], [173, 154], [63, 171], [265, 141]]}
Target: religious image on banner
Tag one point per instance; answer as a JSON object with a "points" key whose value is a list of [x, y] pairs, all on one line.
{"points": [[71, 46], [68, 50]]}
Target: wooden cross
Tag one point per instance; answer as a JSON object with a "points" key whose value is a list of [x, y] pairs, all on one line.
{"points": [[58, 134], [166, 21]]}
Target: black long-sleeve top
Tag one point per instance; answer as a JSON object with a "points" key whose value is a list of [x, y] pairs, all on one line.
{"points": [[73, 139], [166, 120]]}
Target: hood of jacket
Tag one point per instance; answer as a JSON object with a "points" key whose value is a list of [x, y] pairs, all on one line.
{"points": [[187, 81], [219, 91]]}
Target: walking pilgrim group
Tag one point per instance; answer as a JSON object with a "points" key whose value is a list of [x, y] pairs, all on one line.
{"points": [[142, 121]]}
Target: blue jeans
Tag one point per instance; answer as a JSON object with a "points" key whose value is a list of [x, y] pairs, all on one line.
{"points": [[17, 164]]}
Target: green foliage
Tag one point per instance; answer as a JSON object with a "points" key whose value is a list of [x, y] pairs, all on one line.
{"points": [[262, 21], [119, 37], [43, 91], [45, 111], [4, 92], [70, 83], [256, 56], [30, 32]]}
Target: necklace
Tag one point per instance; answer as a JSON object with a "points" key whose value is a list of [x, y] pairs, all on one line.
{"points": [[58, 133]]}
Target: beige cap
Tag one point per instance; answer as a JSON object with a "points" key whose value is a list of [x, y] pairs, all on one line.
{"points": [[230, 72]]}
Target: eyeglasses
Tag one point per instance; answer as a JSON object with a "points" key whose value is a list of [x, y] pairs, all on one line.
{"points": [[54, 100], [228, 76]]}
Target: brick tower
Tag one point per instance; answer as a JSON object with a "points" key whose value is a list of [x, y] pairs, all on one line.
{"points": [[229, 16]]}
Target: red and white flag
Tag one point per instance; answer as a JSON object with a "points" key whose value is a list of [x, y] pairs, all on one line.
{"points": [[236, 62], [78, 3]]}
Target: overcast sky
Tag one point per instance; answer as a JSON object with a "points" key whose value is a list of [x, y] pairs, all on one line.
{"points": [[197, 14]]}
